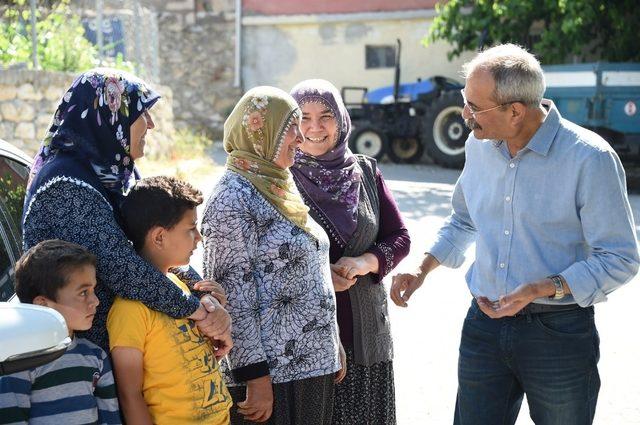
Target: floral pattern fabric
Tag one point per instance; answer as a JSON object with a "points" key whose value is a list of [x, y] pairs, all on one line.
{"points": [[93, 120], [119, 269], [253, 137], [278, 285], [366, 396], [331, 181]]}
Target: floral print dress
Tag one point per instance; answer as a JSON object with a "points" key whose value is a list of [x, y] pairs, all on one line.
{"points": [[278, 284]]}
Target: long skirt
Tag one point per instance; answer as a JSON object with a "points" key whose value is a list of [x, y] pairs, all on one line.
{"points": [[306, 401], [366, 395]]}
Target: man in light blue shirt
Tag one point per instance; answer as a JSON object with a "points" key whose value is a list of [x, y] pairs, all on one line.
{"points": [[545, 201]]}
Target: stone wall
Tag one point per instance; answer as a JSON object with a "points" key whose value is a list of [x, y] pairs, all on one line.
{"points": [[197, 62], [187, 45], [28, 100]]}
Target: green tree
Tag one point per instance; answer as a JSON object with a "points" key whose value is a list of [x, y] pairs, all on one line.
{"points": [[556, 30], [61, 45]]}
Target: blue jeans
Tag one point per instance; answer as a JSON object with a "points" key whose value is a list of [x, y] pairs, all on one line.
{"points": [[550, 357]]}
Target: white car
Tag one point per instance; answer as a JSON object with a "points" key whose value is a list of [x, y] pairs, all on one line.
{"points": [[30, 335]]}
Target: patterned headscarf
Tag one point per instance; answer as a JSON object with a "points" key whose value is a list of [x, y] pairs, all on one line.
{"points": [[93, 120], [253, 137], [330, 182]]}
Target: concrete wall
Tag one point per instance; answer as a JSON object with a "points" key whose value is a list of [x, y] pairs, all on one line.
{"points": [[283, 50]]}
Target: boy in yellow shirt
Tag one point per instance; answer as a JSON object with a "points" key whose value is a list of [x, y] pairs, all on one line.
{"points": [[166, 371]]}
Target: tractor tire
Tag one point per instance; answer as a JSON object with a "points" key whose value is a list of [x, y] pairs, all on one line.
{"points": [[368, 140], [405, 151], [444, 132]]}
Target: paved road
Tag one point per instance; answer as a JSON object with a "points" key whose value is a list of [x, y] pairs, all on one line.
{"points": [[427, 333]]}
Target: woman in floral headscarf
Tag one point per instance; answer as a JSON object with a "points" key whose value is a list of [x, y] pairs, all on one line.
{"points": [[272, 260], [348, 197], [79, 177]]}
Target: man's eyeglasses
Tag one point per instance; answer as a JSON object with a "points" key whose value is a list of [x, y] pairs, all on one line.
{"points": [[474, 112]]}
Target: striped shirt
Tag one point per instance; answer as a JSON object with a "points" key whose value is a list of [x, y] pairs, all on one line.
{"points": [[76, 388]]}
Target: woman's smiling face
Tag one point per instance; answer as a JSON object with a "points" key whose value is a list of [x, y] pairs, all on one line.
{"points": [[292, 140], [319, 127]]}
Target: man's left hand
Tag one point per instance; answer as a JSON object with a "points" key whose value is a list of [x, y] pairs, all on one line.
{"points": [[519, 298]]}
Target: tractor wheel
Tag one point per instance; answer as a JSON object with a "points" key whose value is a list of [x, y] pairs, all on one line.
{"points": [[444, 132], [405, 150], [368, 140]]}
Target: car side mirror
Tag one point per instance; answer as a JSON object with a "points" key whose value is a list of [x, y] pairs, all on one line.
{"points": [[31, 336]]}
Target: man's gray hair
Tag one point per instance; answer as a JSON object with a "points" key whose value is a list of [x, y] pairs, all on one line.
{"points": [[516, 72]]}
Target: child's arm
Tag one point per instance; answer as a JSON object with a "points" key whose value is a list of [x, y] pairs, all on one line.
{"points": [[105, 394], [127, 363], [15, 398]]}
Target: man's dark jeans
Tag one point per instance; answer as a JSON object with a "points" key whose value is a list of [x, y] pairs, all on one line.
{"points": [[550, 357]]}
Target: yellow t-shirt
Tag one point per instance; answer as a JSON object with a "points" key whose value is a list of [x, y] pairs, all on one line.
{"points": [[182, 381]]}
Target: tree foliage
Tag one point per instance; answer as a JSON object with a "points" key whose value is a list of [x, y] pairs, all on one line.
{"points": [[556, 30], [61, 44]]}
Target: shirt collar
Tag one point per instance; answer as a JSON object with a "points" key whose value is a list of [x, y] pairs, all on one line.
{"points": [[541, 141]]}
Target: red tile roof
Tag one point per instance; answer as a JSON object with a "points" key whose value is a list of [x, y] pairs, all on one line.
{"points": [[297, 7]]}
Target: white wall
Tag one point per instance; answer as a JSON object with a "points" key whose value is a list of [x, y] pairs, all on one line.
{"points": [[282, 51]]}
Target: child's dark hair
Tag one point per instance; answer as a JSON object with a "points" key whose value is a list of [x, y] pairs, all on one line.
{"points": [[45, 268], [156, 201]]}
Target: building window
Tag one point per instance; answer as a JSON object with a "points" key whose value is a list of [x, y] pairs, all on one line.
{"points": [[380, 57]]}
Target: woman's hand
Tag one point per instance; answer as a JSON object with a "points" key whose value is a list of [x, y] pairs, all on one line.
{"points": [[358, 266], [340, 283], [343, 362], [217, 322], [258, 404], [214, 288]]}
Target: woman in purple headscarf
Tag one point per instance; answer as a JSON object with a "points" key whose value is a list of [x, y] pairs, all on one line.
{"points": [[348, 197]]}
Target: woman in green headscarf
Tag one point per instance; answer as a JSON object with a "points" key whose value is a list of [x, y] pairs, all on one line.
{"points": [[273, 261]]}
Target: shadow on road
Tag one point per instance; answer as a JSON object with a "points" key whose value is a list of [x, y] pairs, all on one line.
{"points": [[420, 202]]}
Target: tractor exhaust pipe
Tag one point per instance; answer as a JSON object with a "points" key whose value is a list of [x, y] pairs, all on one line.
{"points": [[396, 82]]}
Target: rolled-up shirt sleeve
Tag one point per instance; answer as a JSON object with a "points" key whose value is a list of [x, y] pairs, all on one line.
{"points": [[608, 229], [457, 233]]}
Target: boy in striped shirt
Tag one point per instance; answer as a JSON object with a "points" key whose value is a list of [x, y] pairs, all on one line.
{"points": [[78, 387]]}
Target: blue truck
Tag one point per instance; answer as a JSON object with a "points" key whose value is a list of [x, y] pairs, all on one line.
{"points": [[601, 96]]}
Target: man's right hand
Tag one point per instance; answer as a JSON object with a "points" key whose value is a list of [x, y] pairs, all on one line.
{"points": [[403, 285], [258, 405]]}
